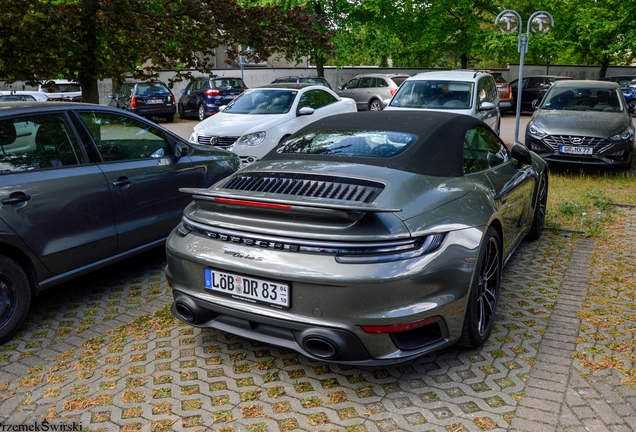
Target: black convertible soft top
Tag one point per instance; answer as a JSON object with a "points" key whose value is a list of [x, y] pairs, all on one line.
{"points": [[438, 151]]}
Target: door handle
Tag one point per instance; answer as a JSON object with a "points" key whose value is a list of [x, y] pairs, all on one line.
{"points": [[16, 198], [122, 182]]}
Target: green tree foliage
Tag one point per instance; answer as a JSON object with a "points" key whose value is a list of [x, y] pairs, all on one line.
{"points": [[88, 40]]}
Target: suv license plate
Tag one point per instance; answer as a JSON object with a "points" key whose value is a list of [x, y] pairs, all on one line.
{"points": [[249, 289], [576, 150]]}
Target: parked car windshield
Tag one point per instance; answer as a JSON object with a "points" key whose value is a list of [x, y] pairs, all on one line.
{"points": [[347, 143], [439, 94], [264, 101], [583, 99]]}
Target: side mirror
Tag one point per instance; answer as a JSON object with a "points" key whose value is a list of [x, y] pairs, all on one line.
{"points": [[340, 88], [183, 91], [385, 103], [536, 103], [222, 108], [110, 96], [306, 111], [521, 153], [485, 106], [181, 149]]}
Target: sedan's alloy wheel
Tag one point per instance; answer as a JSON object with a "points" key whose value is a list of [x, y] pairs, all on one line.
{"points": [[201, 113], [15, 296]]}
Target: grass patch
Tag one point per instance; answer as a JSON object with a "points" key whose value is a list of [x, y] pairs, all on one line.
{"points": [[586, 201]]}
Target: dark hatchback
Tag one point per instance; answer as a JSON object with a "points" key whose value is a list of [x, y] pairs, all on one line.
{"points": [[533, 88], [204, 96], [147, 99], [583, 123], [83, 186]]}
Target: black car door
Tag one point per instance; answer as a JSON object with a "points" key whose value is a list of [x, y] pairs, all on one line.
{"points": [[144, 177], [56, 202]]}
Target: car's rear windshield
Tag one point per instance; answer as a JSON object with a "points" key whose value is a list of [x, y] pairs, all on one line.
{"points": [[152, 90], [224, 83], [583, 99], [499, 78], [266, 101], [437, 94], [62, 88], [398, 80], [376, 144]]}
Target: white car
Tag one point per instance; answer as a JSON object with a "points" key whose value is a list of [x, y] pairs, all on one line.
{"points": [[260, 118], [62, 90], [22, 95], [461, 92]]}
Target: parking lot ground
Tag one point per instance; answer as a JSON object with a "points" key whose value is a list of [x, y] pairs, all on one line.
{"points": [[104, 353]]}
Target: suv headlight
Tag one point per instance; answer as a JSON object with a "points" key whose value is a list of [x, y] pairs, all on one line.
{"points": [[252, 139], [536, 131], [193, 138], [626, 134]]}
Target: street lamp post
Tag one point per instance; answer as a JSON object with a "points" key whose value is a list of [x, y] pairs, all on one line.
{"points": [[509, 21]]}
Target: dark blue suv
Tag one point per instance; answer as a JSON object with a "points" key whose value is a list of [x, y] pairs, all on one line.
{"points": [[203, 96], [628, 87]]}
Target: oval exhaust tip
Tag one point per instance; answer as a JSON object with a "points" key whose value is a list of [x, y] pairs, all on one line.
{"points": [[185, 313], [320, 347]]}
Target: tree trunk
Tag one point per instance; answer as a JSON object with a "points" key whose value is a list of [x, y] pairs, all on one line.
{"points": [[87, 73], [464, 60], [604, 66]]}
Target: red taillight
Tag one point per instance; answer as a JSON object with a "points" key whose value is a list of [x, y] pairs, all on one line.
{"points": [[393, 91], [253, 204], [395, 328], [172, 98], [133, 102], [212, 92]]}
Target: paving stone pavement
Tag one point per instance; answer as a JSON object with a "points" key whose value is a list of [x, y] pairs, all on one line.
{"points": [[104, 353]]}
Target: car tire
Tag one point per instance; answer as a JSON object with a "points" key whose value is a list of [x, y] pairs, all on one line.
{"points": [[170, 118], [632, 103], [182, 113], [15, 297], [375, 105], [201, 112], [538, 219], [484, 293]]}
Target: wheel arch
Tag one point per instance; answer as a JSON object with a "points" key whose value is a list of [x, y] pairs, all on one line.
{"points": [[23, 259]]}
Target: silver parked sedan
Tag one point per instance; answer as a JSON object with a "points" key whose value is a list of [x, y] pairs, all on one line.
{"points": [[365, 238]]}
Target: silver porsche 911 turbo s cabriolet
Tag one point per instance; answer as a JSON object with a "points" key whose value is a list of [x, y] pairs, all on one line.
{"points": [[365, 238]]}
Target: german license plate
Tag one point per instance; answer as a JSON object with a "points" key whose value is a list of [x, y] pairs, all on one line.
{"points": [[249, 289], [576, 150], [154, 101]]}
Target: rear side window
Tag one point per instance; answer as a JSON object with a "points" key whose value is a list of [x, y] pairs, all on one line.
{"points": [[37, 142], [121, 138]]}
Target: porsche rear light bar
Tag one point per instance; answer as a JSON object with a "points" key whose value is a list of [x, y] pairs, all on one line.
{"points": [[253, 203]]}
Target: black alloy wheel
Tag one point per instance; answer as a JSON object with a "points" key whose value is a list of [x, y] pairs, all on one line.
{"points": [[484, 293], [15, 297]]}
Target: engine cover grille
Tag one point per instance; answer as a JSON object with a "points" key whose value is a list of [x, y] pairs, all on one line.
{"points": [[331, 187]]}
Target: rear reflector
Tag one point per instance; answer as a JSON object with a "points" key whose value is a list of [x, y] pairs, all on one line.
{"points": [[395, 328], [253, 204]]}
